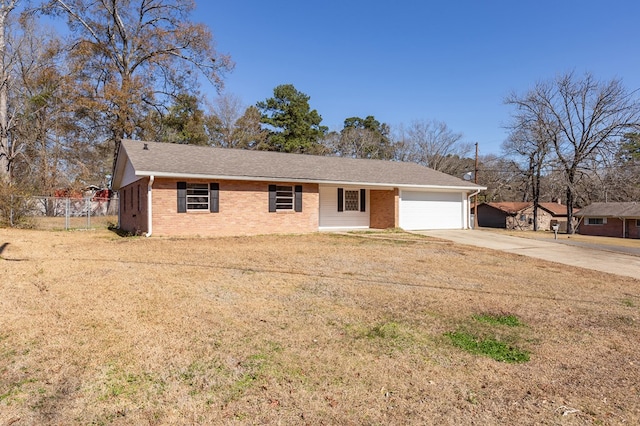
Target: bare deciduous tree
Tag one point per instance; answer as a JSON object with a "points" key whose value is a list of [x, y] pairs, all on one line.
{"points": [[362, 138], [619, 178], [433, 144], [40, 99], [226, 111], [582, 117], [530, 140], [357, 142], [229, 127], [502, 177]]}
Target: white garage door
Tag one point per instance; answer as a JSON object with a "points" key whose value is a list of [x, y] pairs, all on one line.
{"points": [[431, 210]]}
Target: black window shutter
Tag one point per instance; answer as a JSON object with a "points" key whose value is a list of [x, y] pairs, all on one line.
{"points": [[214, 200], [340, 199], [182, 197], [298, 198], [363, 200], [272, 198]]}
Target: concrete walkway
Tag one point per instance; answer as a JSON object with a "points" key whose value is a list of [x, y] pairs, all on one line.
{"points": [[583, 256]]}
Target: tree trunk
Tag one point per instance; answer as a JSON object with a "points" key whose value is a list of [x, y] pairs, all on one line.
{"points": [[4, 119], [571, 180], [570, 229], [6, 6], [536, 197]]}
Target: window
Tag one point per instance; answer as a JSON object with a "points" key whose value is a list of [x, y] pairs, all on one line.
{"points": [[354, 200], [351, 202], [285, 198], [596, 221], [638, 222], [197, 196]]}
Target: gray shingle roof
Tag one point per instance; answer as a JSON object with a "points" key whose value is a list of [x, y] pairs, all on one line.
{"points": [[176, 160], [629, 209]]}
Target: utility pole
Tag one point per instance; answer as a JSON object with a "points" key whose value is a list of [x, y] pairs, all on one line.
{"points": [[475, 198]]}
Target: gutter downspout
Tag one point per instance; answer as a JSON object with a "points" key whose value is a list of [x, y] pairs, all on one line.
{"points": [[149, 207], [475, 213]]}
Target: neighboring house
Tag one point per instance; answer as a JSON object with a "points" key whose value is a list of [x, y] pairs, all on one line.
{"points": [[610, 220], [174, 189], [550, 214], [519, 216], [500, 215]]}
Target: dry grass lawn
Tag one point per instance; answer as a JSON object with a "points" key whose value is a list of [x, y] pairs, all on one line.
{"points": [[59, 223], [315, 329]]}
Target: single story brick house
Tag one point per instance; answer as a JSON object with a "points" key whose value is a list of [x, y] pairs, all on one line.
{"points": [[620, 220], [174, 189], [519, 215]]}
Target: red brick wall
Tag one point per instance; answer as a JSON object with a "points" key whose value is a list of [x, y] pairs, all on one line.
{"points": [[133, 207], [384, 209], [633, 231], [613, 228], [244, 210]]}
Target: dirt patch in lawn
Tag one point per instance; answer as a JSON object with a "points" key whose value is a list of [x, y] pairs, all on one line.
{"points": [[313, 329]]}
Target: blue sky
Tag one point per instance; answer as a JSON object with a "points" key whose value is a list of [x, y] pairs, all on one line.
{"points": [[452, 61]]}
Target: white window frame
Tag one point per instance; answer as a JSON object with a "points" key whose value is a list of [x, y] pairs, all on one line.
{"points": [[638, 223], [285, 198], [197, 197], [353, 204]]}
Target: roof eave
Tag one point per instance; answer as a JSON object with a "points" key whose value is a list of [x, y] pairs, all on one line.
{"points": [[608, 215], [143, 173]]}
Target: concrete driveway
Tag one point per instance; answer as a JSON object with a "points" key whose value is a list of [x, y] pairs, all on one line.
{"points": [[583, 256]]}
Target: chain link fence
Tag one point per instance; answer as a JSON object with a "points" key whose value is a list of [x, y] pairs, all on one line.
{"points": [[63, 212]]}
